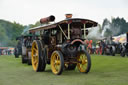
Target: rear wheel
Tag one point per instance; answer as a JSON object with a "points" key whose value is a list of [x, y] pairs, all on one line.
{"points": [[38, 59], [84, 61], [57, 62]]}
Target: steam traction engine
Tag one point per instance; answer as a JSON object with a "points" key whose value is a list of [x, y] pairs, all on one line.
{"points": [[61, 44], [23, 48], [18, 48], [124, 49]]}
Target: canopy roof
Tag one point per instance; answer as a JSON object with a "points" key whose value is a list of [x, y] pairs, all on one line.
{"points": [[88, 23]]}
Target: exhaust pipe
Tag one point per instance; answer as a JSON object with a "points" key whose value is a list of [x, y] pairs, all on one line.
{"points": [[47, 19]]}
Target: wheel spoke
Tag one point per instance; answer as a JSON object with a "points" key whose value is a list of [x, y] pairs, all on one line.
{"points": [[84, 61], [35, 46], [35, 62], [35, 50], [84, 67], [57, 57], [80, 67], [34, 56], [58, 66]]}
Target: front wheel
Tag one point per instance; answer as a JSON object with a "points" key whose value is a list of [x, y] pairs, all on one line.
{"points": [[84, 61], [57, 62]]}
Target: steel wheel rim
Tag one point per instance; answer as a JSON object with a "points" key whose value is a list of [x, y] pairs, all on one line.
{"points": [[34, 56], [82, 62], [55, 63]]}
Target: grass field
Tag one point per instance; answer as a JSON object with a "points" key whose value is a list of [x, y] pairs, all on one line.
{"points": [[105, 70]]}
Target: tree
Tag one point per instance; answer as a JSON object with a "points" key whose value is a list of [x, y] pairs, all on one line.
{"points": [[116, 27], [9, 31], [3, 37]]}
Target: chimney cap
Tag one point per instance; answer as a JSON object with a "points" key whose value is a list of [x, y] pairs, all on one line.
{"points": [[68, 16]]}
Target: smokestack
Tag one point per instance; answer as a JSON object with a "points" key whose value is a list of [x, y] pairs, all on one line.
{"points": [[68, 16], [47, 19]]}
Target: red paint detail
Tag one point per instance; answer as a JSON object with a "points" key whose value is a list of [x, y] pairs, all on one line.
{"points": [[70, 21], [77, 40], [83, 21]]}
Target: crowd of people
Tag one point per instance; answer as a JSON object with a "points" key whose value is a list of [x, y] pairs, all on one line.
{"points": [[98, 47], [6, 51]]}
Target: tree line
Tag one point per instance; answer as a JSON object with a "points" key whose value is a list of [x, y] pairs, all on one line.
{"points": [[116, 27]]}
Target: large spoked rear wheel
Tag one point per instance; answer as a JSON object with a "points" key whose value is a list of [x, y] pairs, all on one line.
{"points": [[38, 59], [57, 62], [84, 61]]}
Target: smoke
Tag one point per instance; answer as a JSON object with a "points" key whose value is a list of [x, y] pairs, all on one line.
{"points": [[110, 29], [94, 33], [25, 31], [106, 26]]}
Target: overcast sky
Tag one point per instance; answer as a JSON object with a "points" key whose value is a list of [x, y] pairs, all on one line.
{"points": [[29, 11]]}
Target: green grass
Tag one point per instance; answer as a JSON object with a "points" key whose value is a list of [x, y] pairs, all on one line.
{"points": [[105, 70]]}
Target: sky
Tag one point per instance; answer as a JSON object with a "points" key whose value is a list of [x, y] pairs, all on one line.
{"points": [[30, 11]]}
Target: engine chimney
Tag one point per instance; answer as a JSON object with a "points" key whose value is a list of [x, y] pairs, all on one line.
{"points": [[47, 19]]}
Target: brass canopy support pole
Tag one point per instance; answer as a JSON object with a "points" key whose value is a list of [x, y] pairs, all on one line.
{"points": [[68, 31], [84, 31], [63, 32]]}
